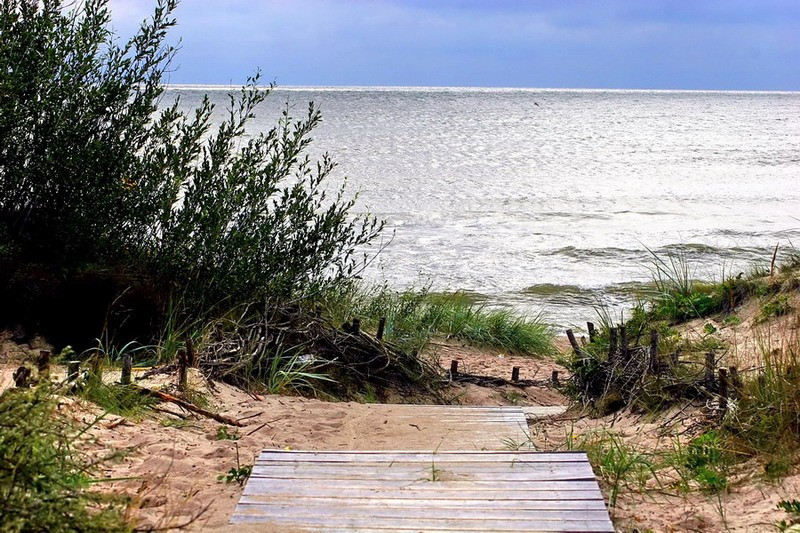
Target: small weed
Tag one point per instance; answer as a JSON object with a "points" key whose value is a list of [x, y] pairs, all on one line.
{"points": [[731, 320], [619, 465], [240, 473], [775, 307], [513, 397], [177, 423], [709, 328], [223, 434], [792, 507], [706, 462]]}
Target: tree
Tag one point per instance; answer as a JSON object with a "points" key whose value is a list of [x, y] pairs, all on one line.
{"points": [[96, 177]]}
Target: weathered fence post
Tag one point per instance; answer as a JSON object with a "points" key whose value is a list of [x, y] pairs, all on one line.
{"points": [[453, 368], [592, 331], [709, 370], [183, 374], [654, 351], [96, 369], [612, 344], [44, 364], [736, 381], [381, 327], [191, 356], [73, 367], [623, 342], [515, 373], [723, 389], [22, 377], [572, 342], [127, 363]]}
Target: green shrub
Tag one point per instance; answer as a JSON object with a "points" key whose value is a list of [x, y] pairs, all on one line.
{"points": [[100, 183], [44, 479], [774, 307]]}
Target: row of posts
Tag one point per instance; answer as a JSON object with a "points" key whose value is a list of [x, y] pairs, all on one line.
{"points": [[554, 380], [22, 376]]}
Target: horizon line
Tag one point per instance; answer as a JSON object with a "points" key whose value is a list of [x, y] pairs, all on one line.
{"points": [[220, 86]]}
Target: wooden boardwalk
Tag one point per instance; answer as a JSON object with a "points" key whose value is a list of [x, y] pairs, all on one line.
{"points": [[429, 490]]}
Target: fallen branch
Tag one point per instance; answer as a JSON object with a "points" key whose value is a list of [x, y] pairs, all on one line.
{"points": [[190, 407]]}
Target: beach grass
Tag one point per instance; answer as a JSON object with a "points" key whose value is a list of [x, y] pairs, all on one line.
{"points": [[416, 316]]}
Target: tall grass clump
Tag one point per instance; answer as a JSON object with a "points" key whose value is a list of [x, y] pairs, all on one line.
{"points": [[680, 296], [111, 193], [764, 421], [415, 316], [44, 478]]}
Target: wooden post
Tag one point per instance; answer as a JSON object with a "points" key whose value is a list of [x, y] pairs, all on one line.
{"points": [[191, 356], [554, 378], [623, 342], [44, 364], [723, 389], [356, 326], [381, 327], [183, 375], [22, 377], [96, 369], [453, 368], [592, 331], [573, 342], [654, 351], [736, 381], [73, 367], [127, 363], [515, 373], [709, 370], [612, 344]]}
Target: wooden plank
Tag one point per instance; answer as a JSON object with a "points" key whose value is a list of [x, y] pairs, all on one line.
{"points": [[315, 523], [413, 456], [534, 472], [424, 490], [462, 515], [415, 492], [366, 501]]}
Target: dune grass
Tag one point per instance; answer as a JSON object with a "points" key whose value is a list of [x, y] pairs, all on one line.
{"points": [[415, 316]]}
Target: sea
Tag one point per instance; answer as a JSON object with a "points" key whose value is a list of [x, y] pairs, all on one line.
{"points": [[555, 202]]}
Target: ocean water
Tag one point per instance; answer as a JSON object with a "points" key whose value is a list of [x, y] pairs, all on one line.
{"points": [[551, 201]]}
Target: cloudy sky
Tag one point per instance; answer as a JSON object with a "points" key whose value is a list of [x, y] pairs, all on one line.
{"points": [[650, 44]]}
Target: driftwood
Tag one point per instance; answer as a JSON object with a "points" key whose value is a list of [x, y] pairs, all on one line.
{"points": [[244, 352], [629, 370], [164, 397]]}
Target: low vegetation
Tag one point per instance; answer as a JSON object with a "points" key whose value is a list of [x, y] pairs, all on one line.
{"points": [[750, 413], [415, 316], [45, 479]]}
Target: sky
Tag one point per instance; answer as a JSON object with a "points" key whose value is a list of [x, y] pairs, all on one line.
{"points": [[627, 44]]}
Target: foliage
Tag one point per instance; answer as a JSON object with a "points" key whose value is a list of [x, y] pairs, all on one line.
{"points": [[679, 296], [792, 507], [619, 465], [44, 479], [121, 400], [706, 461], [102, 182], [223, 434], [240, 473], [415, 316], [777, 306]]}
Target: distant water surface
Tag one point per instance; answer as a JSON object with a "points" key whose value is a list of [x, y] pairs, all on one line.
{"points": [[548, 200]]}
